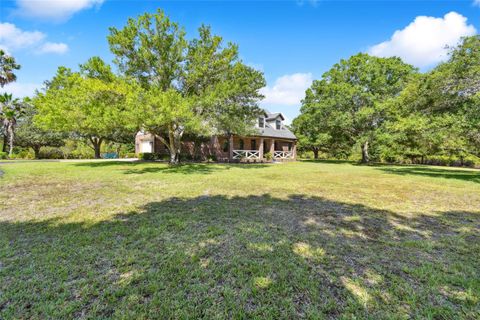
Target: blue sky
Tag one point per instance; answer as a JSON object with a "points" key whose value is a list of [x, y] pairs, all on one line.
{"points": [[292, 42]]}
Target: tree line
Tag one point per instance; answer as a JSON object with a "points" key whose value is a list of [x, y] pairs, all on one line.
{"points": [[389, 111], [165, 84]]}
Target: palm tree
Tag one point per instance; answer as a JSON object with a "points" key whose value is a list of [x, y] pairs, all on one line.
{"points": [[10, 110], [7, 67]]}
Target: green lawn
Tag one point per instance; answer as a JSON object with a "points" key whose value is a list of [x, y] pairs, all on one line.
{"points": [[297, 240]]}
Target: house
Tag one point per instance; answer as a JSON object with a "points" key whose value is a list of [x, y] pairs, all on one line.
{"points": [[272, 137]]}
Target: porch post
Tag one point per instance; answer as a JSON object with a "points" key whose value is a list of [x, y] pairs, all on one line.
{"points": [[230, 147], [272, 146], [260, 150], [294, 150], [214, 148]]}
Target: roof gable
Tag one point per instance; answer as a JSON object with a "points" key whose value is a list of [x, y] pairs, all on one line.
{"points": [[274, 116]]}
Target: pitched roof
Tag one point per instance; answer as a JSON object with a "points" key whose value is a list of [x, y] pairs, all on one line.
{"points": [[271, 116], [271, 132]]}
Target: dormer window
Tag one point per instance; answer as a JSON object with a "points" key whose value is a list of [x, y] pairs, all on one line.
{"points": [[261, 122], [278, 124]]}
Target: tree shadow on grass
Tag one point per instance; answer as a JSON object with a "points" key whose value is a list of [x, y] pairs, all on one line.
{"points": [[191, 168], [108, 163], [159, 167], [253, 256], [329, 161], [447, 173]]}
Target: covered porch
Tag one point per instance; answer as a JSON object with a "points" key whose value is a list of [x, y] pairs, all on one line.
{"points": [[256, 148]]}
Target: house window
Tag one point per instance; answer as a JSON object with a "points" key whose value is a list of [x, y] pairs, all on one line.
{"points": [[261, 122], [278, 124], [289, 146], [275, 146], [225, 145], [254, 144], [241, 144]]}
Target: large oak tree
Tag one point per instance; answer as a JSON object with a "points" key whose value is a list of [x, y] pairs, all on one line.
{"points": [[28, 134], [439, 112], [346, 106], [196, 87], [92, 104]]}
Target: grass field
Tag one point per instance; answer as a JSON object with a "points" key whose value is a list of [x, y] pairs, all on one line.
{"points": [[297, 240]]}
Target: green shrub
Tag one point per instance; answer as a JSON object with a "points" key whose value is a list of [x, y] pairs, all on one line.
{"points": [[212, 158], [130, 155], [306, 155], [50, 153], [163, 157], [76, 149], [3, 155], [438, 160], [23, 154], [471, 161], [147, 156], [186, 157], [389, 155], [454, 161], [268, 156]]}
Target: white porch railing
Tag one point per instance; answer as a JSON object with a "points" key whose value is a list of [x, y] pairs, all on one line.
{"points": [[246, 154], [282, 155]]}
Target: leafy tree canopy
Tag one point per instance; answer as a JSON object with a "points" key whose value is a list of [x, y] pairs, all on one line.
{"points": [[8, 66], [92, 104], [201, 81], [347, 105], [28, 134]]}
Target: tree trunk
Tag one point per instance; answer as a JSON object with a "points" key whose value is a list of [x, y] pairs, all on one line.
{"points": [[171, 146], [119, 147], [97, 151], [10, 136], [36, 150], [97, 144], [5, 142], [315, 153], [365, 157], [175, 143], [173, 158]]}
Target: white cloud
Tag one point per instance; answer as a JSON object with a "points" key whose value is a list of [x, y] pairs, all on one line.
{"points": [[54, 9], [423, 42], [13, 39], [21, 90], [52, 47], [287, 90], [476, 3]]}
